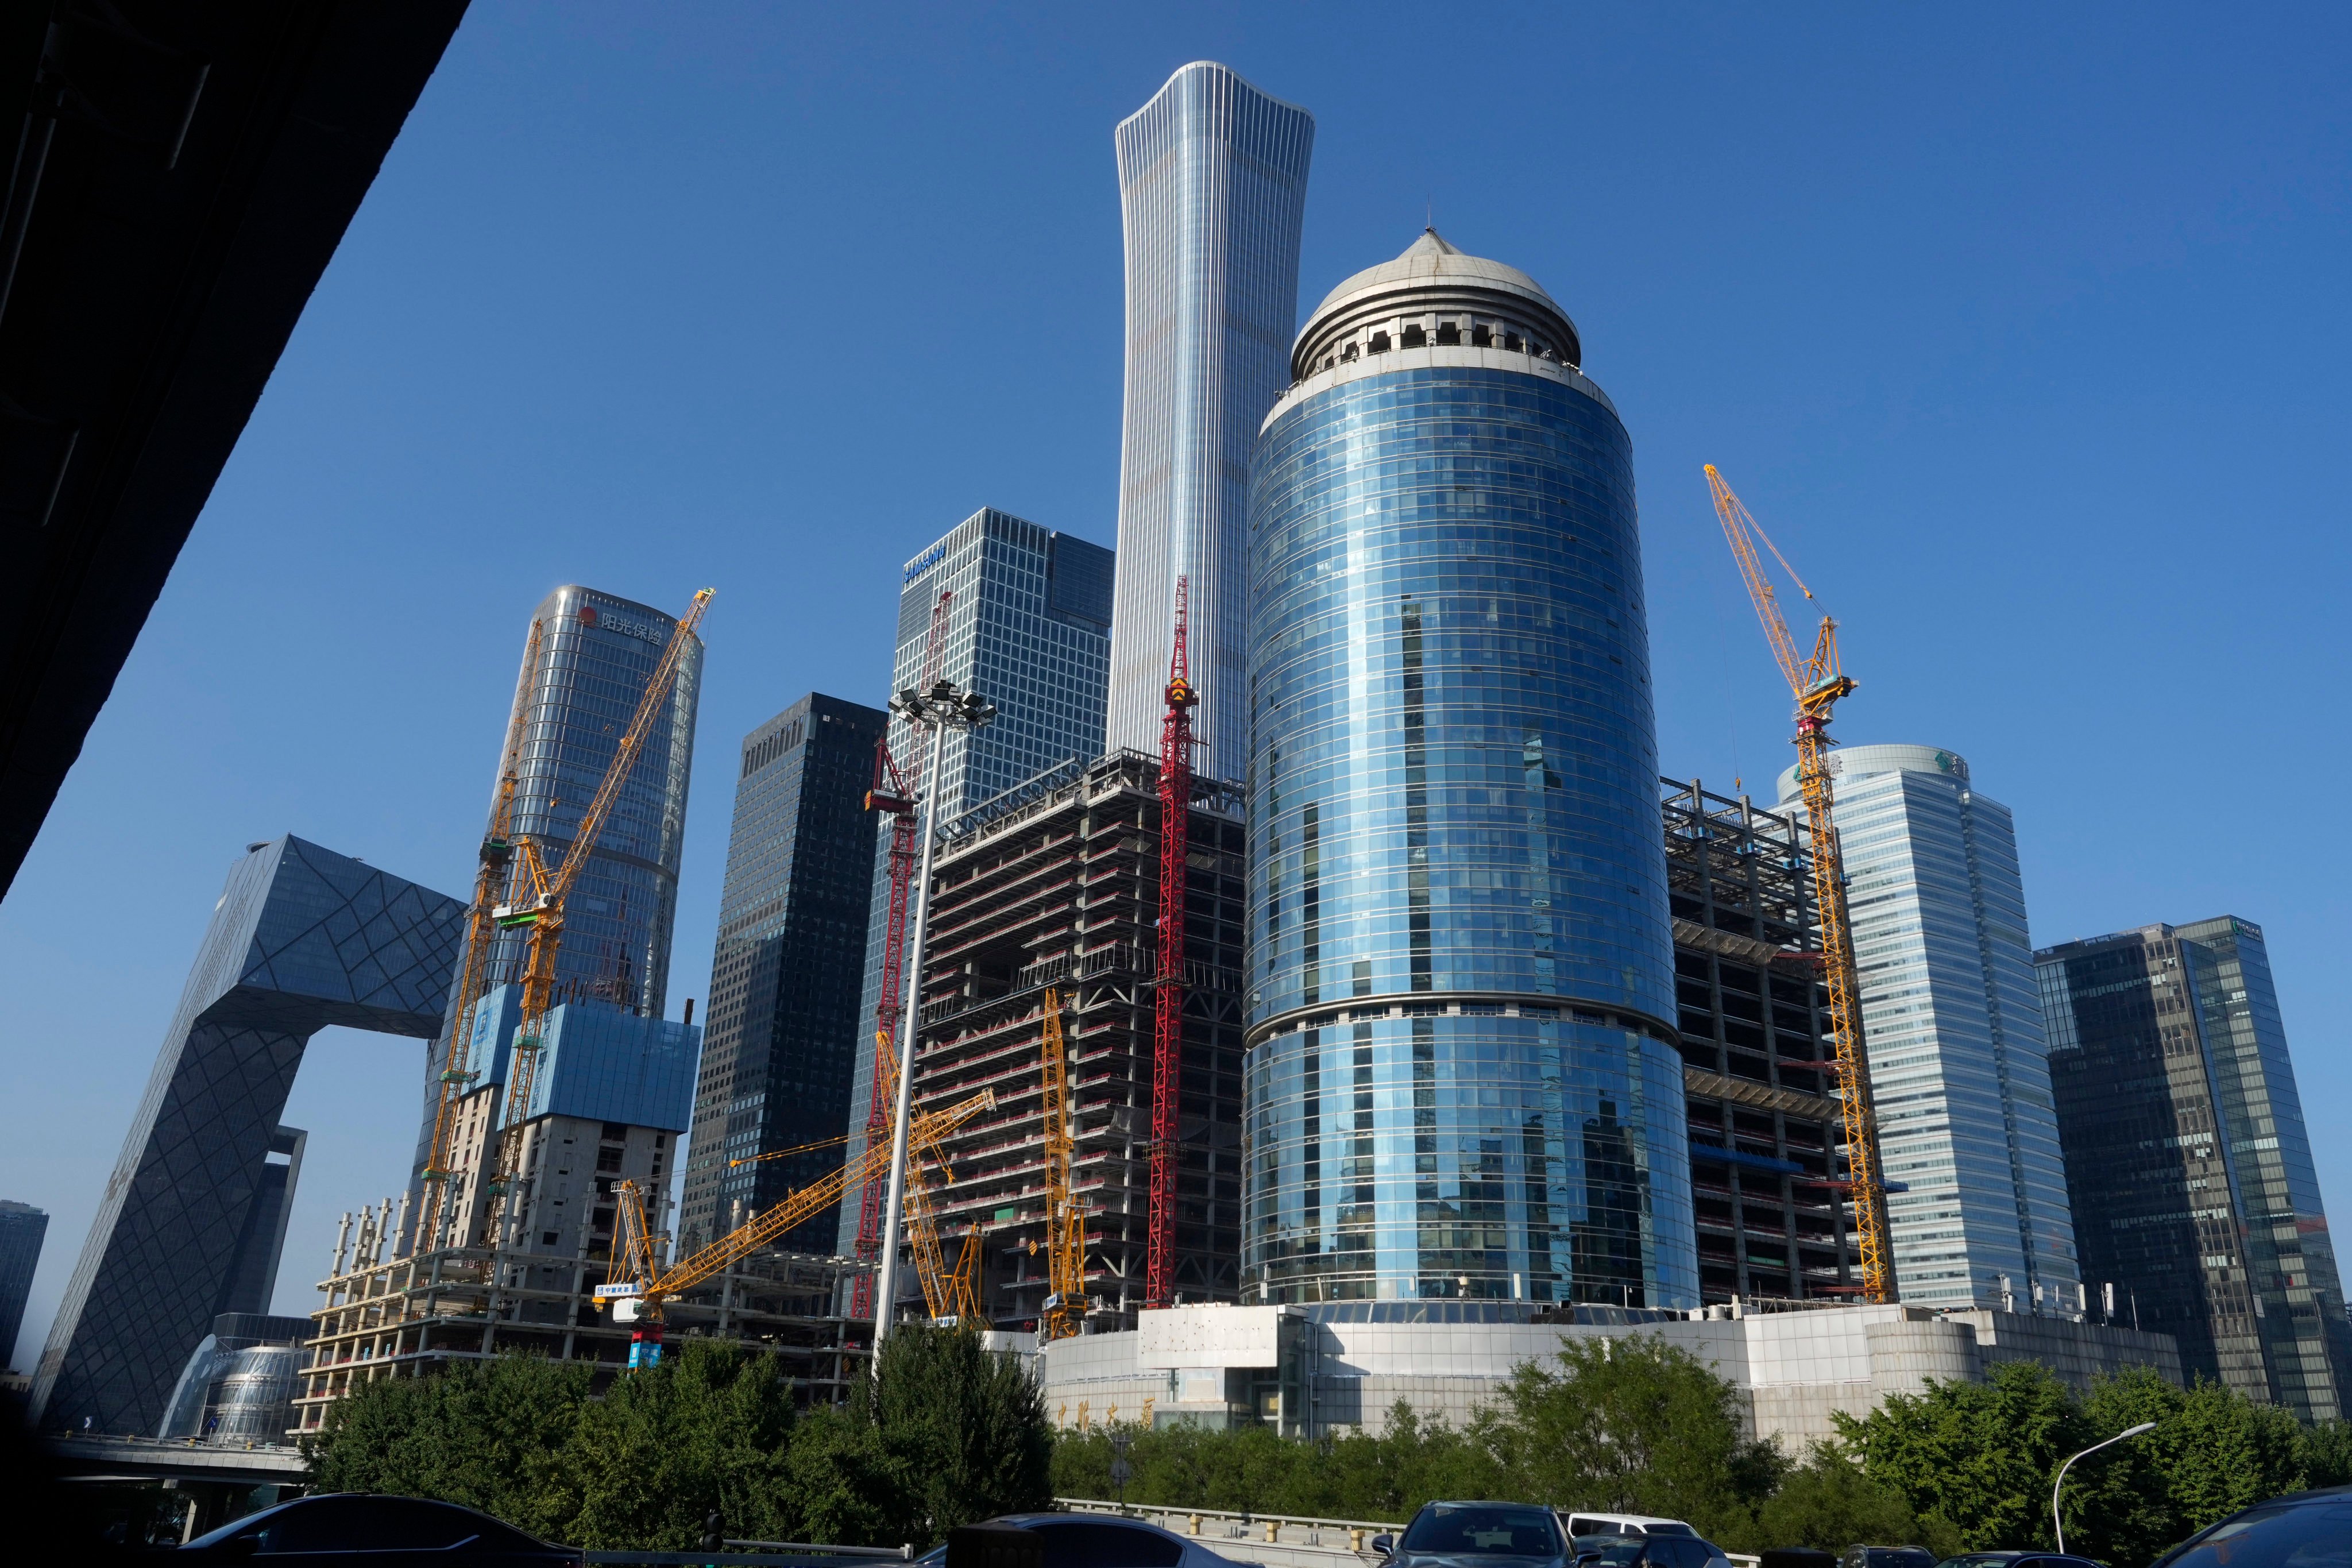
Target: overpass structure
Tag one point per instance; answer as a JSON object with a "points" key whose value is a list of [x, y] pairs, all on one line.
{"points": [[182, 172]]}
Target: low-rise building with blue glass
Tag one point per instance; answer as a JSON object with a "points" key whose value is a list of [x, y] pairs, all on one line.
{"points": [[1462, 1077]]}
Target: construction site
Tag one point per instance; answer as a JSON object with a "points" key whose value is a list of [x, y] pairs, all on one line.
{"points": [[1769, 1178], [1044, 920]]}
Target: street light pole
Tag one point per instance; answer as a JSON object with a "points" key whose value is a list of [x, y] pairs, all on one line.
{"points": [[944, 707], [2055, 1521]]}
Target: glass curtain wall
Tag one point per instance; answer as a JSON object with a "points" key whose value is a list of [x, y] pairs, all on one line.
{"points": [[1461, 1082]]}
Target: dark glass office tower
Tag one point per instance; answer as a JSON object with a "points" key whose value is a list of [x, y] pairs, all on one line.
{"points": [[2187, 1164], [782, 1038], [1463, 1079], [22, 1226]]}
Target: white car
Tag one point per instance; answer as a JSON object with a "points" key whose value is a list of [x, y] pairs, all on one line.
{"points": [[1103, 1540], [1638, 1540]]}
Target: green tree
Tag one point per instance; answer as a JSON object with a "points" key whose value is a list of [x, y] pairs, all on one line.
{"points": [[1973, 1458], [491, 1435], [1829, 1503], [2326, 1452], [2213, 1451], [1636, 1425], [967, 1425], [705, 1432]]}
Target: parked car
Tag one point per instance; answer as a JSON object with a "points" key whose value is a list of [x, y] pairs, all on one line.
{"points": [[2016, 1559], [378, 1531], [1887, 1557], [1496, 1535], [1652, 1550], [1104, 1541], [1622, 1524], [2302, 1530]]}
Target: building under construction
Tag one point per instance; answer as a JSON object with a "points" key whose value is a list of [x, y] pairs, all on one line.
{"points": [[1057, 885], [389, 1316], [1769, 1177]]}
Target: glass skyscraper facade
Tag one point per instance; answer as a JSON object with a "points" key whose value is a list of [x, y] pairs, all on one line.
{"points": [[1213, 188], [585, 666], [1028, 627], [1953, 1031], [2190, 1165], [781, 1034], [1462, 1077]]}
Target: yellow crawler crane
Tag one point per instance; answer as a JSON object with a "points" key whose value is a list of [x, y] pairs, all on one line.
{"points": [[1817, 683], [536, 905], [640, 1285], [1066, 1224]]}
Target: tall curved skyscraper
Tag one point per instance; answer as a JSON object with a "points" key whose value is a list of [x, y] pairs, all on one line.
{"points": [[1212, 186], [1461, 1080]]}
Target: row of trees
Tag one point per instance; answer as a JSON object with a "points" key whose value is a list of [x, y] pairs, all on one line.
{"points": [[949, 1432], [946, 1434], [1637, 1425]]}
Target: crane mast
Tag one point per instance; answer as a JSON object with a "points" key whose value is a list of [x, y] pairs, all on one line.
{"points": [[1817, 682], [1168, 1043], [490, 890], [640, 1287], [1066, 1268], [894, 794], [543, 914]]}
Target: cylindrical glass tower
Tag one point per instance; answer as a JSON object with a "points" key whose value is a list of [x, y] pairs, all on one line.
{"points": [[1461, 1080]]}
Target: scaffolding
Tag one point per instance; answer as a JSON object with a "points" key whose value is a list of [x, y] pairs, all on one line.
{"points": [[417, 1315], [1770, 1183], [1057, 885]]}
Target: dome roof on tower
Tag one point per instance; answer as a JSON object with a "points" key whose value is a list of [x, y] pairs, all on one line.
{"points": [[1433, 276], [1430, 258]]}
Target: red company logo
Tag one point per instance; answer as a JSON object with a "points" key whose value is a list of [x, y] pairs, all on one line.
{"points": [[587, 614]]}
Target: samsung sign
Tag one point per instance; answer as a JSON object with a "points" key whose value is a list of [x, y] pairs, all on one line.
{"points": [[605, 620], [924, 562]]}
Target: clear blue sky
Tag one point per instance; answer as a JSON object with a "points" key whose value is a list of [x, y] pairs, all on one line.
{"points": [[2023, 328]]}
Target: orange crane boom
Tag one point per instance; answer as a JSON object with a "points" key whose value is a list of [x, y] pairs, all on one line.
{"points": [[637, 1274], [490, 890], [542, 913], [1065, 1269], [1817, 682]]}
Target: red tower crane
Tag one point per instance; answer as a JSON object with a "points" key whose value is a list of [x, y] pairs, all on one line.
{"points": [[894, 794], [1167, 1046]]}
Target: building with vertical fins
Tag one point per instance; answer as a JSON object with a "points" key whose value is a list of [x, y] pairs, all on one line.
{"points": [[1027, 626], [2188, 1161], [782, 1034], [1212, 187], [1953, 1035], [1462, 1080], [586, 661], [22, 1229]]}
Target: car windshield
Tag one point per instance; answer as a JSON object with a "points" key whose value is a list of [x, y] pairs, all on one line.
{"points": [[1478, 1529], [2309, 1536], [1609, 1550], [1900, 1557]]}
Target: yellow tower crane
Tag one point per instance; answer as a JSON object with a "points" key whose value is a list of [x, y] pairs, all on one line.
{"points": [[536, 905], [482, 933], [1066, 1224], [1817, 683], [641, 1286]]}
